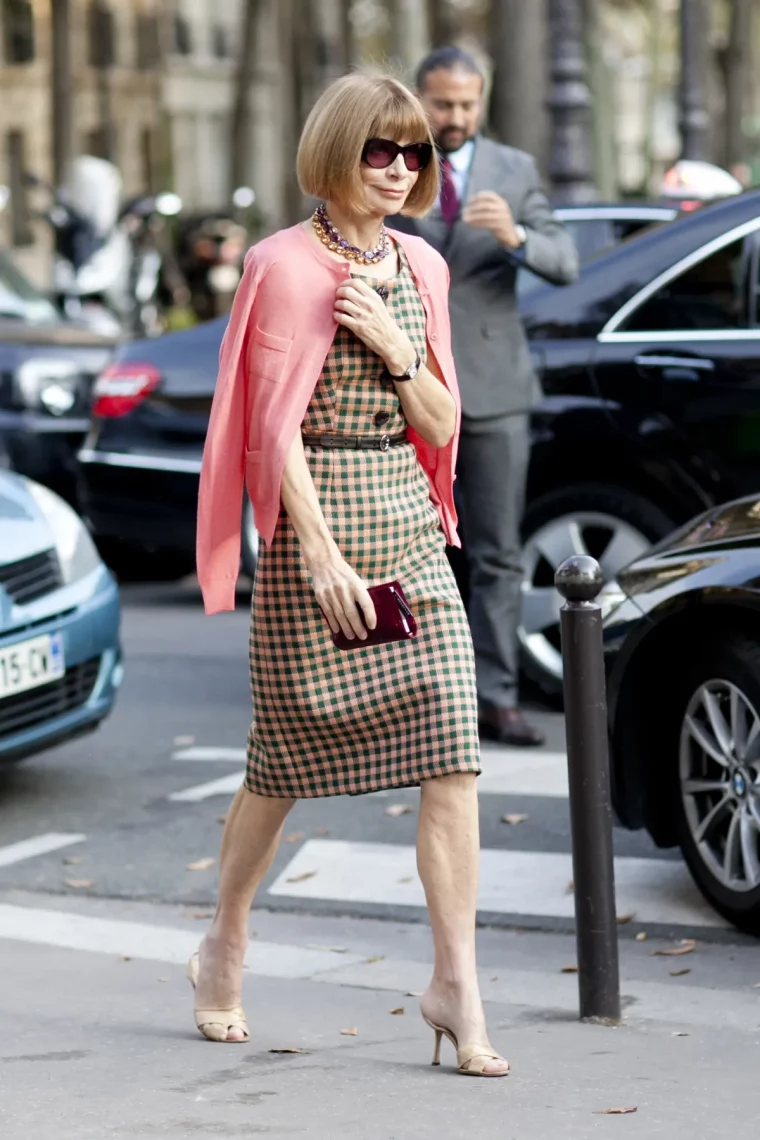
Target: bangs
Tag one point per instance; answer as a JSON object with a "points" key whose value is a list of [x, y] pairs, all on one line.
{"points": [[400, 119]]}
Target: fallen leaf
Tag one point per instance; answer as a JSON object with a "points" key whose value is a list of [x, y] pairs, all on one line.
{"points": [[406, 879], [200, 914], [180, 740], [641, 936], [570, 887], [296, 837], [332, 949], [322, 831], [399, 809], [623, 918], [292, 1049], [79, 884], [349, 1032], [201, 864], [72, 860], [413, 993], [686, 946], [513, 818], [679, 973], [301, 878], [124, 958], [376, 958], [399, 1010], [614, 1111], [569, 970], [680, 1033], [163, 979], [221, 819]]}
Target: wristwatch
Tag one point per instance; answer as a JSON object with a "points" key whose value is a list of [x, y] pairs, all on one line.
{"points": [[410, 373], [521, 233]]}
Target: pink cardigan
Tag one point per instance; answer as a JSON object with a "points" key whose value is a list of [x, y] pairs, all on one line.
{"points": [[280, 330]]}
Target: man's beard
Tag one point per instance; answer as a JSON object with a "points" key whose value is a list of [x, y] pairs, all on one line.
{"points": [[449, 141]]}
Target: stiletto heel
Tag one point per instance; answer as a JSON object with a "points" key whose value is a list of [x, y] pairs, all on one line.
{"points": [[471, 1059], [215, 1024]]}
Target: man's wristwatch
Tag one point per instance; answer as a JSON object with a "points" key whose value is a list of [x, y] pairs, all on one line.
{"points": [[521, 233], [409, 374]]}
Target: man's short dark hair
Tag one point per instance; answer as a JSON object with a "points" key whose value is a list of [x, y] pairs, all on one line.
{"points": [[447, 58]]}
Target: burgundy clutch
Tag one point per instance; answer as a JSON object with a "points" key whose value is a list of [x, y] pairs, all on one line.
{"points": [[395, 620]]}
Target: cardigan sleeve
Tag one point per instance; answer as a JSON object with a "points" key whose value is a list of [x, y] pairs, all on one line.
{"points": [[220, 495]]}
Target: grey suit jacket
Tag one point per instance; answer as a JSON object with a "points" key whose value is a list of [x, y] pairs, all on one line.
{"points": [[494, 367]]}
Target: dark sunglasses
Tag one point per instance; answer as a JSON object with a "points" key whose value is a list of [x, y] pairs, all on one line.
{"points": [[380, 153]]}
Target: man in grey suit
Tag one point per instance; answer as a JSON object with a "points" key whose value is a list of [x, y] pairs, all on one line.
{"points": [[492, 217]]}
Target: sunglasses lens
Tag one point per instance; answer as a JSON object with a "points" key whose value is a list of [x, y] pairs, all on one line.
{"points": [[417, 156], [380, 153]]}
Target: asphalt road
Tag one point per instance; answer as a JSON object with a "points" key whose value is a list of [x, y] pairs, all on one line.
{"points": [[185, 689]]}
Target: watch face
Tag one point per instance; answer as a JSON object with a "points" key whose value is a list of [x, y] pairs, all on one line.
{"points": [[414, 369]]}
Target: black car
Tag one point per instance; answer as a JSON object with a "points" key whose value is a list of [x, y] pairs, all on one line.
{"points": [[47, 369], [640, 427], [682, 636]]}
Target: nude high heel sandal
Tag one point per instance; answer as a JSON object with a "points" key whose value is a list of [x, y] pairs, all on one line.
{"points": [[215, 1024], [471, 1059]]}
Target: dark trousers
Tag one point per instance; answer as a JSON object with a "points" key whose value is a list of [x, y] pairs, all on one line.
{"points": [[490, 493]]}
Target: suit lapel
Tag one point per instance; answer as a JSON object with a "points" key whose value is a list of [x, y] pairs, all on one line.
{"points": [[481, 177]]}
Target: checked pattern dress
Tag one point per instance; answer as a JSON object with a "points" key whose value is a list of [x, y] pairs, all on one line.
{"points": [[334, 722]]}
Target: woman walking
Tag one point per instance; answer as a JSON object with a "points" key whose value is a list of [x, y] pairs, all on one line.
{"points": [[337, 405]]}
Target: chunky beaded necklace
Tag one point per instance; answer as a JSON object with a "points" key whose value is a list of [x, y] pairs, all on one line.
{"points": [[331, 236]]}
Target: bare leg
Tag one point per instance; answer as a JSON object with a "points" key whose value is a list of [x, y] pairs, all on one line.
{"points": [[448, 852], [250, 840]]}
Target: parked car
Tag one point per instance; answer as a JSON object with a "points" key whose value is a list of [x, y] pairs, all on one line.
{"points": [[650, 365], [682, 636], [60, 659], [602, 225], [47, 368]]}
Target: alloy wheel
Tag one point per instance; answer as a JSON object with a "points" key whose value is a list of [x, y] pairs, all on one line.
{"points": [[719, 775], [613, 542]]}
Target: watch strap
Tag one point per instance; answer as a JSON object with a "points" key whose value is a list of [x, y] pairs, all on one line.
{"points": [[405, 377]]}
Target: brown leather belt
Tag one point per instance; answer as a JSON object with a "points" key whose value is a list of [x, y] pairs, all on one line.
{"points": [[355, 442]]}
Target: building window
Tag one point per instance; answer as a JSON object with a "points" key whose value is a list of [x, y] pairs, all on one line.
{"points": [[148, 156], [183, 39], [219, 41], [148, 45], [21, 229], [100, 35], [100, 142], [18, 31]]}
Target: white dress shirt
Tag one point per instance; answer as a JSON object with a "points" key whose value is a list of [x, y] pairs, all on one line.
{"points": [[461, 160]]}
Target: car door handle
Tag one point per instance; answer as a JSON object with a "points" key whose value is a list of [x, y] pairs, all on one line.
{"points": [[695, 363]]}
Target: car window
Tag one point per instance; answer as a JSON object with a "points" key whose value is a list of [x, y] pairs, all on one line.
{"points": [[19, 299], [709, 295]]}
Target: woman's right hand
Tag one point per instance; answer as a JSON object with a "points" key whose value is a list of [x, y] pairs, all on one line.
{"points": [[339, 590]]}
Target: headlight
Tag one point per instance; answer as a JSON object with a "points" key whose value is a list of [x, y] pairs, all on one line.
{"points": [[49, 384], [76, 550]]}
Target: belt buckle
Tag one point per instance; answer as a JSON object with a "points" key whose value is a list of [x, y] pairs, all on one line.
{"points": [[385, 442]]}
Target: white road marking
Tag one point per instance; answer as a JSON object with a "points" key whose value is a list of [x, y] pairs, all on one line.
{"points": [[532, 989], [39, 845], [506, 772], [534, 883], [226, 785], [211, 754]]}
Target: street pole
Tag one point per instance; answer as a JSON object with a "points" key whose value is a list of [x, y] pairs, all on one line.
{"points": [[693, 120], [570, 163], [579, 579], [61, 91], [518, 35]]}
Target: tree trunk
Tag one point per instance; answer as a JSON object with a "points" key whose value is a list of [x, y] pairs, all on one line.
{"points": [[694, 120], [602, 103], [61, 91], [240, 132], [518, 35], [410, 39], [738, 78], [441, 22], [350, 40]]}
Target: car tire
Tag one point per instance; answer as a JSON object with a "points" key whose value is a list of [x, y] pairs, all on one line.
{"points": [[249, 541], [602, 514], [728, 669]]}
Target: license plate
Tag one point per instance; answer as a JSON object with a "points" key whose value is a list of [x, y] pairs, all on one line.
{"points": [[29, 664]]}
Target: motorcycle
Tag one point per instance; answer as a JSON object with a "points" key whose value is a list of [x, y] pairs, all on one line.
{"points": [[109, 262]]}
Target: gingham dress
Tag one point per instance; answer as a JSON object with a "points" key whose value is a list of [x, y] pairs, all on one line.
{"points": [[333, 722]]}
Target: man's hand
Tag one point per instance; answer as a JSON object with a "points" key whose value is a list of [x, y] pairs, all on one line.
{"points": [[487, 211]]}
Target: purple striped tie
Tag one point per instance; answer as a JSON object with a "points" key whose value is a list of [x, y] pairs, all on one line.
{"points": [[449, 198]]}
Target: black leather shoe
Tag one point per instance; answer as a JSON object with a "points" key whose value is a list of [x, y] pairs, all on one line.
{"points": [[509, 726]]}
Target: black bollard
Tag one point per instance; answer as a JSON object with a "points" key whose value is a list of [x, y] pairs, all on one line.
{"points": [[579, 579]]}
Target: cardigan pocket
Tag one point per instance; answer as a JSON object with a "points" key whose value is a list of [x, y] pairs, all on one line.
{"points": [[268, 355]]}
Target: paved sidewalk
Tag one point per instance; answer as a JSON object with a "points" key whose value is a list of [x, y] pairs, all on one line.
{"points": [[95, 1046]]}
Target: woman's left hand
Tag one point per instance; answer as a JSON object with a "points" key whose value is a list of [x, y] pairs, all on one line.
{"points": [[359, 308]]}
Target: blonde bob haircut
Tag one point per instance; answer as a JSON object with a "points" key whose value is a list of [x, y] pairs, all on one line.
{"points": [[351, 110]]}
